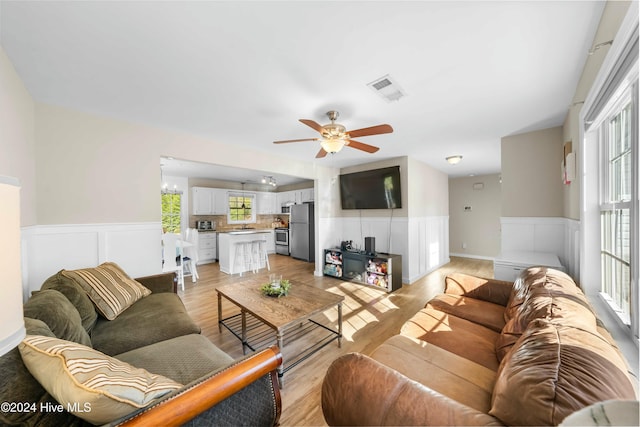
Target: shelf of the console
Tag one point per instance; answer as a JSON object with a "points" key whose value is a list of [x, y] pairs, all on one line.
{"points": [[379, 270]]}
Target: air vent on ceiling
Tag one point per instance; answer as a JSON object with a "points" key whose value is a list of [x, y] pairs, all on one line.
{"points": [[387, 88]]}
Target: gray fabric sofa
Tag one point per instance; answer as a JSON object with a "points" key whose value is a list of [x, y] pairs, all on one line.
{"points": [[157, 334]]}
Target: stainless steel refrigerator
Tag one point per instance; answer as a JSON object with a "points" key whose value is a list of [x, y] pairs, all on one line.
{"points": [[301, 232]]}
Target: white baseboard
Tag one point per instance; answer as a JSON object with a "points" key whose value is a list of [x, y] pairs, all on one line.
{"points": [[411, 280], [487, 258]]}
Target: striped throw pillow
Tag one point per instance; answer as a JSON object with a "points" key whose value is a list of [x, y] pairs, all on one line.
{"points": [[109, 288], [91, 385]]}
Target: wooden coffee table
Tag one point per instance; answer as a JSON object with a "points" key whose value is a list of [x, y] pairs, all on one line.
{"points": [[289, 317]]}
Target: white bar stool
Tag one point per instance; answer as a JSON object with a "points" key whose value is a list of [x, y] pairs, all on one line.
{"points": [[242, 260], [259, 254]]}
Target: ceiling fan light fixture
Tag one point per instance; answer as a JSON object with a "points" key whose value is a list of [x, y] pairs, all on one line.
{"points": [[332, 145], [454, 160]]}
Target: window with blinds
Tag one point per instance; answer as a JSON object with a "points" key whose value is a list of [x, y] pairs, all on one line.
{"points": [[618, 236]]}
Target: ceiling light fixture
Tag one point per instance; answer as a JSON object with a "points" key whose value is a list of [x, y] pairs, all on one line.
{"points": [[332, 145], [269, 180], [454, 160]]}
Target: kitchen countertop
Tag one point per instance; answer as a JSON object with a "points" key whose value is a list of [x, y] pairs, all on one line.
{"points": [[244, 231], [248, 231]]}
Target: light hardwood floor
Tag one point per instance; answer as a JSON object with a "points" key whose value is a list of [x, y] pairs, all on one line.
{"points": [[370, 316]]}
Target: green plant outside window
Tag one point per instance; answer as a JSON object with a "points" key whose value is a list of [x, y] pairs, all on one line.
{"points": [[171, 210], [240, 208]]}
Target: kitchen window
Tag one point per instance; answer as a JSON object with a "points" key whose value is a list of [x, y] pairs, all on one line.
{"points": [[171, 210], [241, 208]]}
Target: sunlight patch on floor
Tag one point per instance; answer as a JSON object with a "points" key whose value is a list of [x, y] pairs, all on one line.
{"points": [[362, 306]]}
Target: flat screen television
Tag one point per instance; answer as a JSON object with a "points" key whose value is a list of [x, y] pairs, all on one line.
{"points": [[372, 189]]}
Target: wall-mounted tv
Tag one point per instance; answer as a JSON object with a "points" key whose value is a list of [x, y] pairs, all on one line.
{"points": [[372, 189]]}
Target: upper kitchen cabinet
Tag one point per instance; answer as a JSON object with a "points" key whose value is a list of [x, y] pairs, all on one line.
{"points": [[304, 195], [203, 200], [294, 197], [285, 198], [209, 201], [221, 203], [267, 203]]}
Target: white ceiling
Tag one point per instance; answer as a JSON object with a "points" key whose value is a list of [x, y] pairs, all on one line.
{"points": [[244, 72]]}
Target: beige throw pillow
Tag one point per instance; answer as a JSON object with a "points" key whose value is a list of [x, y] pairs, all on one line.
{"points": [[109, 287], [91, 385]]}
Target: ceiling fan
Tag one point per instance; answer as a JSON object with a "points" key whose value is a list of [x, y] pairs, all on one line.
{"points": [[335, 136]]}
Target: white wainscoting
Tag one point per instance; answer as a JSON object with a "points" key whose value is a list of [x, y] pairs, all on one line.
{"points": [[47, 249], [422, 242], [428, 245], [560, 236]]}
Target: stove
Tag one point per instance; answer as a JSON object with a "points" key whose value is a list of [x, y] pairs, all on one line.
{"points": [[282, 240]]}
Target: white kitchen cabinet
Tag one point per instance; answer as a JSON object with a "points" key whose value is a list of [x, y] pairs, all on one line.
{"points": [[285, 197], [304, 195], [206, 247], [266, 203], [203, 200], [221, 202]]}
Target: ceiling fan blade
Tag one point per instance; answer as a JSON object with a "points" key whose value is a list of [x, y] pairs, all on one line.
{"points": [[321, 154], [373, 130], [295, 140], [361, 146], [312, 124]]}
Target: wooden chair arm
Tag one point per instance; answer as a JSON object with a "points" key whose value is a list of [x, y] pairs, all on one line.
{"points": [[186, 404]]}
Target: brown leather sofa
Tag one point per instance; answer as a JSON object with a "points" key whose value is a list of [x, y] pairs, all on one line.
{"points": [[485, 352]]}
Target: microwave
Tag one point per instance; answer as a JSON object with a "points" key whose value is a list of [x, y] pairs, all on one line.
{"points": [[205, 225], [286, 208]]}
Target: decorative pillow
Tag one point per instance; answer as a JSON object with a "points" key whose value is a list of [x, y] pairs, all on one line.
{"points": [[59, 314], [110, 289], [93, 386], [77, 296], [18, 385]]}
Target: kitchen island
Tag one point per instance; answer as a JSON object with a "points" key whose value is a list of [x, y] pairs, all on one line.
{"points": [[229, 241]]}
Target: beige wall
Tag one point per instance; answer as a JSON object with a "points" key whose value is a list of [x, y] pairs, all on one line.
{"points": [[428, 190], [99, 170], [17, 140], [612, 16], [531, 179], [479, 228]]}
